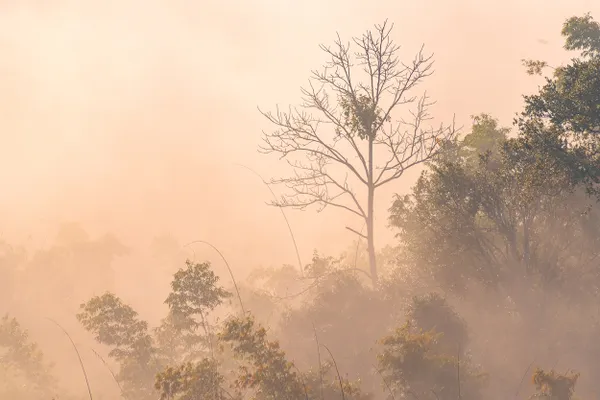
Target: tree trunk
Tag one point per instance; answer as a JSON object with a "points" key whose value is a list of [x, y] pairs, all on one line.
{"points": [[526, 246], [371, 241], [370, 218]]}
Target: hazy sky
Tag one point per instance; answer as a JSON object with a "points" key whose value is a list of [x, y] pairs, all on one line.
{"points": [[129, 115]]}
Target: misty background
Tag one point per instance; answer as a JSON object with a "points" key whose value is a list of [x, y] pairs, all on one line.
{"points": [[127, 119]]}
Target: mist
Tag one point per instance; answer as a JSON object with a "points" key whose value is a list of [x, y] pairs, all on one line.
{"points": [[128, 144]]}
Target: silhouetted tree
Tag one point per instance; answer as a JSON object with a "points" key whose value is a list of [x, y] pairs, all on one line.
{"points": [[355, 140]]}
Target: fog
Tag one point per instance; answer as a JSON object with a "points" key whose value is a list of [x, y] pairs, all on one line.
{"points": [[131, 119]]}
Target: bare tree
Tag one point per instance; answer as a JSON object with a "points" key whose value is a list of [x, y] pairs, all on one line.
{"points": [[353, 143]]}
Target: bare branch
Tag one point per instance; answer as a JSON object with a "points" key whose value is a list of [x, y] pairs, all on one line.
{"points": [[312, 184], [413, 146], [298, 134], [357, 232], [341, 140]]}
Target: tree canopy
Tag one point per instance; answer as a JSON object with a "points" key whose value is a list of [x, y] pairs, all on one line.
{"points": [[347, 139]]}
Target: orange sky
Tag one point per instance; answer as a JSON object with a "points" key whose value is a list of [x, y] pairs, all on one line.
{"points": [[129, 115]]}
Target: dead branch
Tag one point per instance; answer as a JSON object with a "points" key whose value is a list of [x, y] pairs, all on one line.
{"points": [[345, 140], [339, 111], [357, 232]]}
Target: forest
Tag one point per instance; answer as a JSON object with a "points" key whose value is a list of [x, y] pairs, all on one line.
{"points": [[490, 291]]}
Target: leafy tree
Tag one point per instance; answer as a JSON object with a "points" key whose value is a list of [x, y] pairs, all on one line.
{"points": [[192, 381], [325, 384], [194, 294], [514, 218], [357, 99], [432, 312], [554, 386], [117, 325], [177, 339], [325, 271], [183, 339], [267, 371], [510, 217], [533, 198], [24, 373], [563, 119], [412, 366], [344, 314], [425, 358]]}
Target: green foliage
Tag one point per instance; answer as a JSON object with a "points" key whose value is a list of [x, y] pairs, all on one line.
{"points": [[554, 386], [513, 213], [194, 294], [426, 357], [268, 372], [177, 339], [534, 67], [406, 357], [192, 381], [24, 373], [504, 218], [324, 384], [142, 352], [326, 271], [117, 325], [341, 300], [569, 101], [567, 107], [432, 312], [362, 116], [195, 291], [583, 34], [486, 138], [413, 363]]}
